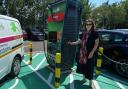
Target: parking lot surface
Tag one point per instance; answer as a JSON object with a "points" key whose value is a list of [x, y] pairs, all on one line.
{"points": [[39, 76]]}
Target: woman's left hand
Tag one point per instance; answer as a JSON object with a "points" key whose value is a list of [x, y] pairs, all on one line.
{"points": [[90, 55]]}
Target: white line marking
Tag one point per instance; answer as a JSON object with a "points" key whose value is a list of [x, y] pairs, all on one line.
{"points": [[25, 55], [50, 77], [71, 81], [17, 80], [42, 61], [95, 85], [115, 79], [35, 56], [39, 75], [120, 85]]}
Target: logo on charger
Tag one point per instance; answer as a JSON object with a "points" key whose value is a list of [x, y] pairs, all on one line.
{"points": [[55, 17]]}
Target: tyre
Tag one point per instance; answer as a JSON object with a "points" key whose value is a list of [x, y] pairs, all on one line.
{"points": [[122, 69], [15, 69]]}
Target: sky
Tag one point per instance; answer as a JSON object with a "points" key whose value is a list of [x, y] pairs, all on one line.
{"points": [[99, 2]]}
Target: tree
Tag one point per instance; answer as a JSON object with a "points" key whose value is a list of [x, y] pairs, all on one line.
{"points": [[27, 11], [33, 13], [118, 15], [101, 15], [109, 16], [87, 7], [125, 6]]}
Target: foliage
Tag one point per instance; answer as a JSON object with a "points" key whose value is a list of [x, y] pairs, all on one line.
{"points": [[87, 7], [33, 13], [111, 16]]}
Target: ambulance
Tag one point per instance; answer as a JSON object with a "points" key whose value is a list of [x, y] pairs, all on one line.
{"points": [[11, 46]]}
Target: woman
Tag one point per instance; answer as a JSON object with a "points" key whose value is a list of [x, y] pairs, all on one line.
{"points": [[88, 46]]}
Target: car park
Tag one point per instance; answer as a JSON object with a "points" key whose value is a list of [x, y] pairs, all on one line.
{"points": [[25, 36], [11, 46], [35, 34], [115, 44]]}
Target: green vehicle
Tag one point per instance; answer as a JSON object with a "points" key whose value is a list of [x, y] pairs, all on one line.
{"points": [[64, 20]]}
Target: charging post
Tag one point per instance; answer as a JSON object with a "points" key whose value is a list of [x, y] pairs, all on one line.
{"points": [[64, 20]]}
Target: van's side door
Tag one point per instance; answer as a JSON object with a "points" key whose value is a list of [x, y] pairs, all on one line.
{"points": [[4, 47]]}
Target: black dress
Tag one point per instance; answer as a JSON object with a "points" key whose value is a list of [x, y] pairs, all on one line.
{"points": [[88, 68]]}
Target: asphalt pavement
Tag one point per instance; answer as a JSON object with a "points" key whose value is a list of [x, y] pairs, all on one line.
{"points": [[37, 46]]}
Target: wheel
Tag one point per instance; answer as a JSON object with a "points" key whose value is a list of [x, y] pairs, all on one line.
{"points": [[122, 69], [15, 69]]}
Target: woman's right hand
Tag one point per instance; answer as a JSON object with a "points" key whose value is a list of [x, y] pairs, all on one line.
{"points": [[73, 43], [70, 43]]}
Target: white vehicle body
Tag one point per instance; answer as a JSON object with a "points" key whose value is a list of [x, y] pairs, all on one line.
{"points": [[11, 43]]}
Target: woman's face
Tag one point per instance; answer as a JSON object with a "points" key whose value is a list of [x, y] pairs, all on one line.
{"points": [[88, 25]]}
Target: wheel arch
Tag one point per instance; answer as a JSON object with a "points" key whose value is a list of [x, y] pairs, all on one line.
{"points": [[18, 55]]}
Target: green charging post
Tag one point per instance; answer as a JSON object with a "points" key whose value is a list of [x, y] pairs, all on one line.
{"points": [[64, 20]]}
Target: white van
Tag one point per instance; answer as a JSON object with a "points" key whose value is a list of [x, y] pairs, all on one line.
{"points": [[11, 46]]}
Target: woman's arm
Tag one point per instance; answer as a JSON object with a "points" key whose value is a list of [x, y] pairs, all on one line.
{"points": [[75, 43], [94, 48]]}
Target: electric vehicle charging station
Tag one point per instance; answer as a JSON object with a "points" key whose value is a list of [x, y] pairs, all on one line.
{"points": [[64, 20]]}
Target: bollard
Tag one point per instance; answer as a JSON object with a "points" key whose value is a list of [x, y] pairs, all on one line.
{"points": [[57, 70], [30, 53], [99, 61]]}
